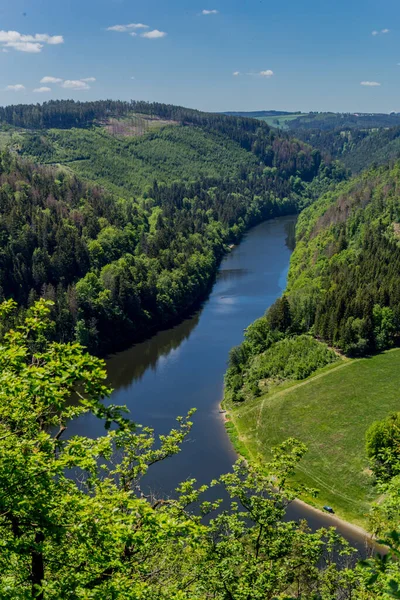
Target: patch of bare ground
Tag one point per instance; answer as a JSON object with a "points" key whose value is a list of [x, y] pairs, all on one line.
{"points": [[136, 125], [396, 229]]}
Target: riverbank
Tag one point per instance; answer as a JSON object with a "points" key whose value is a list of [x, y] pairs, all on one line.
{"points": [[305, 507], [330, 412], [183, 367], [120, 344]]}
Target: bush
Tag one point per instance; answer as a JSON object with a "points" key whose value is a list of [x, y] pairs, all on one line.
{"points": [[383, 447]]}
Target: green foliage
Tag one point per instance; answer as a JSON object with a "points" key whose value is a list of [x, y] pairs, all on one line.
{"points": [[267, 358], [325, 121], [126, 165], [119, 265], [343, 280], [384, 326], [331, 413], [293, 358], [76, 524], [357, 149], [71, 525], [116, 269], [279, 316], [383, 447]]}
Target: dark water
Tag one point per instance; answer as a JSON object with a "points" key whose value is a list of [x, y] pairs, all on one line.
{"points": [[183, 367]]}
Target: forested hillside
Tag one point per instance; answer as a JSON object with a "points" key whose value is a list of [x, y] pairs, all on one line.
{"points": [[343, 288], [357, 140], [127, 165], [123, 262], [302, 122], [333, 327], [344, 277], [357, 149], [334, 121]]}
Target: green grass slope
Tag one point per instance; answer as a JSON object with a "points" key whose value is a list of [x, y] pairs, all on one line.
{"points": [[330, 413]]}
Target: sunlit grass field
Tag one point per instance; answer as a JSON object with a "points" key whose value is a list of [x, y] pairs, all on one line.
{"points": [[281, 120], [330, 413]]}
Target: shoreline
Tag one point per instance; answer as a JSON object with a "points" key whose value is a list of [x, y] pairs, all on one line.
{"points": [[363, 536]]}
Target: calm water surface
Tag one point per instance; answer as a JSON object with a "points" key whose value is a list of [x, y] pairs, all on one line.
{"points": [[183, 367]]}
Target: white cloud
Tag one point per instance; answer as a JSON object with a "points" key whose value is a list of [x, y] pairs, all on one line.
{"points": [[42, 90], [75, 84], [370, 83], [385, 30], [133, 33], [68, 84], [209, 12], [376, 32], [15, 88], [267, 73], [53, 40], [124, 28], [49, 79], [28, 43], [236, 73], [119, 28], [31, 47], [152, 35]]}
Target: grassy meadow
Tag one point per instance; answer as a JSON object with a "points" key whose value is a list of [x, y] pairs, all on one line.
{"points": [[280, 121], [330, 412]]}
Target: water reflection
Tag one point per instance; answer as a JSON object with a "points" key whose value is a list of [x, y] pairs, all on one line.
{"points": [[229, 274], [184, 366], [129, 366], [290, 230]]}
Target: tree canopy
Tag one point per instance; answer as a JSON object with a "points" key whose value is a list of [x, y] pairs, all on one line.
{"points": [[75, 520]]}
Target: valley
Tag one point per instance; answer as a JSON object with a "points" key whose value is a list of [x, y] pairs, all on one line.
{"points": [[183, 245]]}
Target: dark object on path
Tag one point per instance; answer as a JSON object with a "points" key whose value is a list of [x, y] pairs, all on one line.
{"points": [[329, 509]]}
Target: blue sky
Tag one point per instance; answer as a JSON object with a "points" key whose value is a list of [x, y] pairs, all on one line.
{"points": [[289, 55]]}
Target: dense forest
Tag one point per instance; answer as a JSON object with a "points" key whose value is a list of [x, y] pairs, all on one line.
{"points": [[123, 260], [114, 236], [358, 141], [333, 121], [343, 288], [357, 149], [323, 121], [343, 281]]}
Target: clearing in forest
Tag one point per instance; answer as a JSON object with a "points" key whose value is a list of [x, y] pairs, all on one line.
{"points": [[331, 413]]}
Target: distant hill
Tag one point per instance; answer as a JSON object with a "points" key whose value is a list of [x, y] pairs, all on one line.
{"points": [[357, 149], [322, 121], [358, 140], [258, 114], [177, 186], [333, 121]]}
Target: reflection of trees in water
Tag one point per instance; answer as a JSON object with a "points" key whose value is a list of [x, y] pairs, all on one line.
{"points": [[290, 230], [226, 274], [130, 365]]}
